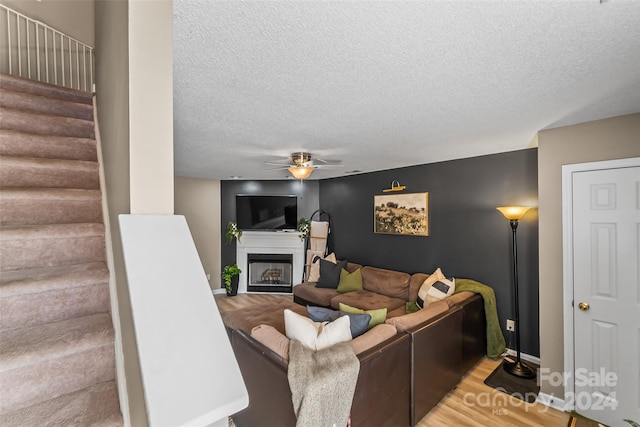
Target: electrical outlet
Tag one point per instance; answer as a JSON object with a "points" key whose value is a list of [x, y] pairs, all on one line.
{"points": [[511, 325], [208, 277]]}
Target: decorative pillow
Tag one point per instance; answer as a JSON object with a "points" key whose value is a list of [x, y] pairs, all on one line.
{"points": [[359, 323], [316, 335], [350, 282], [313, 260], [411, 307], [436, 287], [330, 274], [377, 316]]}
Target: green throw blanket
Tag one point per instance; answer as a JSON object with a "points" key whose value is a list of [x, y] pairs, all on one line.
{"points": [[495, 339]]}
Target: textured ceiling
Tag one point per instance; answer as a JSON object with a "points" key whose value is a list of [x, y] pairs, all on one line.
{"points": [[380, 85]]}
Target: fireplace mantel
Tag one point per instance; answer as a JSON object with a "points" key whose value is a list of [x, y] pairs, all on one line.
{"points": [[269, 242]]}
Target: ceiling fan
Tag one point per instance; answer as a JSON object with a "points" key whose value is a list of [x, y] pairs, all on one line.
{"points": [[301, 165]]}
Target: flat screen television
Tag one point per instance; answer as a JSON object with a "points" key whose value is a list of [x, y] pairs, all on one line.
{"points": [[255, 212]]}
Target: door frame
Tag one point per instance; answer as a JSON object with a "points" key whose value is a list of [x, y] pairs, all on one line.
{"points": [[567, 260]]}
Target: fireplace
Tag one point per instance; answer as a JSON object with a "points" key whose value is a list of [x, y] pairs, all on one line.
{"points": [[268, 247], [270, 272]]}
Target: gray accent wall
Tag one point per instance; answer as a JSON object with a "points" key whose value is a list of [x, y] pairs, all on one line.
{"points": [[307, 192], [468, 237]]}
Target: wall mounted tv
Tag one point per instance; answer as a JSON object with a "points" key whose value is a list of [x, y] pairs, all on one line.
{"points": [[266, 212]]}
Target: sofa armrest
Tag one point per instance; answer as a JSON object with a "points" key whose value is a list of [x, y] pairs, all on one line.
{"points": [[474, 332], [265, 376], [436, 360], [383, 392]]}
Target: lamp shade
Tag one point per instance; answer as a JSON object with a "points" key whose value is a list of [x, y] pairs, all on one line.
{"points": [[513, 212], [301, 172]]}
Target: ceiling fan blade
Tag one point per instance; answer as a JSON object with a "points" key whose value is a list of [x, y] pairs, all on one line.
{"points": [[285, 167], [282, 163], [328, 166], [328, 162]]}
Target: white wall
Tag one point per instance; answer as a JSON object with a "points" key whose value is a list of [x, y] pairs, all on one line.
{"points": [[607, 139], [199, 201]]}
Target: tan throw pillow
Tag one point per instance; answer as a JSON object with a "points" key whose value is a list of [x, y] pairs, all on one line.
{"points": [[273, 339], [316, 335], [313, 261], [436, 287]]}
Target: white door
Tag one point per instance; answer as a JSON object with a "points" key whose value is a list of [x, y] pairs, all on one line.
{"points": [[606, 293]]}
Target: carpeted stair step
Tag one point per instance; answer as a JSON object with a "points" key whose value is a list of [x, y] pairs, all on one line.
{"points": [[35, 296], [39, 246], [33, 206], [42, 124], [19, 144], [44, 362], [48, 173], [96, 405], [43, 105], [19, 84]]}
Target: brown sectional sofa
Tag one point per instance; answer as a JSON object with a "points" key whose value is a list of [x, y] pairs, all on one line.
{"points": [[401, 378]]}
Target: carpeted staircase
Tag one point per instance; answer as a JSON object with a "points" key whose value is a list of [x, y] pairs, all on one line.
{"points": [[57, 365]]}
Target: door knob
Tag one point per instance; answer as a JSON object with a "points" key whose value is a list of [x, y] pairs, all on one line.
{"points": [[584, 306]]}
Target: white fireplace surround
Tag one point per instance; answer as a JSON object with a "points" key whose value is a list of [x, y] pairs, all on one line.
{"points": [[269, 242]]}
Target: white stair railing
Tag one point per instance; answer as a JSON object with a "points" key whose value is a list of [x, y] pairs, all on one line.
{"points": [[34, 50]]}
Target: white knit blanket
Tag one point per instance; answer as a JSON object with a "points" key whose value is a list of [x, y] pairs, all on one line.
{"points": [[322, 384]]}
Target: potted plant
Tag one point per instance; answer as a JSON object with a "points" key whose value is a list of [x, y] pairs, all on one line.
{"points": [[304, 227], [230, 277], [233, 232]]}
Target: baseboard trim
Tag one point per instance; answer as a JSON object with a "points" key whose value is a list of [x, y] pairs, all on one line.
{"points": [[524, 356], [218, 291], [551, 401]]}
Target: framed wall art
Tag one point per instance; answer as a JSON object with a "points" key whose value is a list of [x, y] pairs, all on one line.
{"points": [[403, 214]]}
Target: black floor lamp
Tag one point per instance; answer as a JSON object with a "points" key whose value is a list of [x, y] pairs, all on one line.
{"points": [[517, 368]]}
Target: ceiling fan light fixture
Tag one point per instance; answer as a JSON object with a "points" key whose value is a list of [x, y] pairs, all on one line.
{"points": [[301, 172]]}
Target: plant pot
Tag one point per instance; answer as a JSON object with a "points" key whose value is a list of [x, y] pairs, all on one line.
{"points": [[234, 287]]}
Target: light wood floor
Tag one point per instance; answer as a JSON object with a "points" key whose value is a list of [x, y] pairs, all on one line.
{"points": [[472, 403]]}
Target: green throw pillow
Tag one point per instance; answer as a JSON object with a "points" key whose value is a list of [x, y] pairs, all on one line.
{"points": [[377, 316], [411, 307], [350, 282]]}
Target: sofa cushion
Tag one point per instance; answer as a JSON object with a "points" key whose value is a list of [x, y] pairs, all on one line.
{"points": [[320, 296], [330, 274], [436, 287], [409, 321], [458, 298], [416, 281], [372, 338], [313, 261], [273, 339], [359, 323], [350, 282], [316, 335], [391, 283], [277, 342], [268, 314], [367, 300], [378, 316]]}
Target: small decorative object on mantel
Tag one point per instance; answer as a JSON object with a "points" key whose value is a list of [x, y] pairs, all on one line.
{"points": [[233, 232], [230, 277], [304, 227], [395, 186], [406, 214]]}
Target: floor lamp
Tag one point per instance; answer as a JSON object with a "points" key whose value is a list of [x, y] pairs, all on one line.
{"points": [[517, 368]]}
